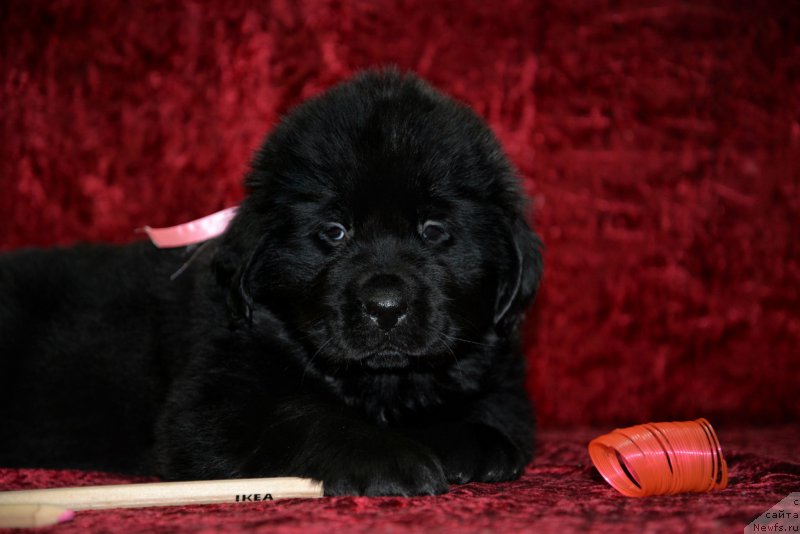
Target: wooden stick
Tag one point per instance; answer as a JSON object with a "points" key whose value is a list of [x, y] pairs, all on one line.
{"points": [[32, 515], [168, 493]]}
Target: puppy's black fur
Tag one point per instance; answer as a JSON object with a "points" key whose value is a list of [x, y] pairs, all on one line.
{"points": [[356, 324]]}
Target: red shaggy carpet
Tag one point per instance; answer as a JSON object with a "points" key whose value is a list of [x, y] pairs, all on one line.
{"points": [[559, 492], [660, 142]]}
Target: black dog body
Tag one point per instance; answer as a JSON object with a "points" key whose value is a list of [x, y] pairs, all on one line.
{"points": [[356, 324]]}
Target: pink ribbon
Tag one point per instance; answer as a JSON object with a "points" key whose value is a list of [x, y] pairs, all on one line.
{"points": [[191, 232]]}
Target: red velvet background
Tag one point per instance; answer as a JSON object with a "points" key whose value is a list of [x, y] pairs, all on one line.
{"points": [[659, 141]]}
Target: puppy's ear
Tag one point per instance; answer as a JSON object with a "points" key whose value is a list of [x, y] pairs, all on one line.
{"points": [[233, 270], [520, 280], [240, 302]]}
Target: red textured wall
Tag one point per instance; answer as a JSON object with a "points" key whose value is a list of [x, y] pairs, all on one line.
{"points": [[660, 142]]}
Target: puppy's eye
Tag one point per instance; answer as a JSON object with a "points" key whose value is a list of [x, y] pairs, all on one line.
{"points": [[434, 232], [333, 233]]}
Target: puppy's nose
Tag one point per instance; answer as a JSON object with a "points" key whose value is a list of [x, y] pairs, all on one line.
{"points": [[383, 301], [385, 309]]}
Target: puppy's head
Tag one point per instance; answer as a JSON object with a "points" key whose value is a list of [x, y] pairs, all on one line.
{"points": [[383, 225]]}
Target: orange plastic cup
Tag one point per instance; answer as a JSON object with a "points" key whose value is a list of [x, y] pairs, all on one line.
{"points": [[661, 459]]}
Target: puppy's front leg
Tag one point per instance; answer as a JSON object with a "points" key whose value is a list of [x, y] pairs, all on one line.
{"points": [[491, 440], [350, 455], [240, 430]]}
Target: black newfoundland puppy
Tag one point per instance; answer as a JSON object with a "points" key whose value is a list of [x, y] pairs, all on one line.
{"points": [[357, 323]]}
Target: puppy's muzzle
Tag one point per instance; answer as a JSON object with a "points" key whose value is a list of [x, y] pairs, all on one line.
{"points": [[383, 300]]}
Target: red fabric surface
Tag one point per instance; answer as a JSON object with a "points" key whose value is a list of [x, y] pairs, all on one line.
{"points": [[559, 492], [660, 142]]}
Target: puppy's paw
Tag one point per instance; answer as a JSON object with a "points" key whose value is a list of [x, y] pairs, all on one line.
{"points": [[482, 454], [399, 467]]}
